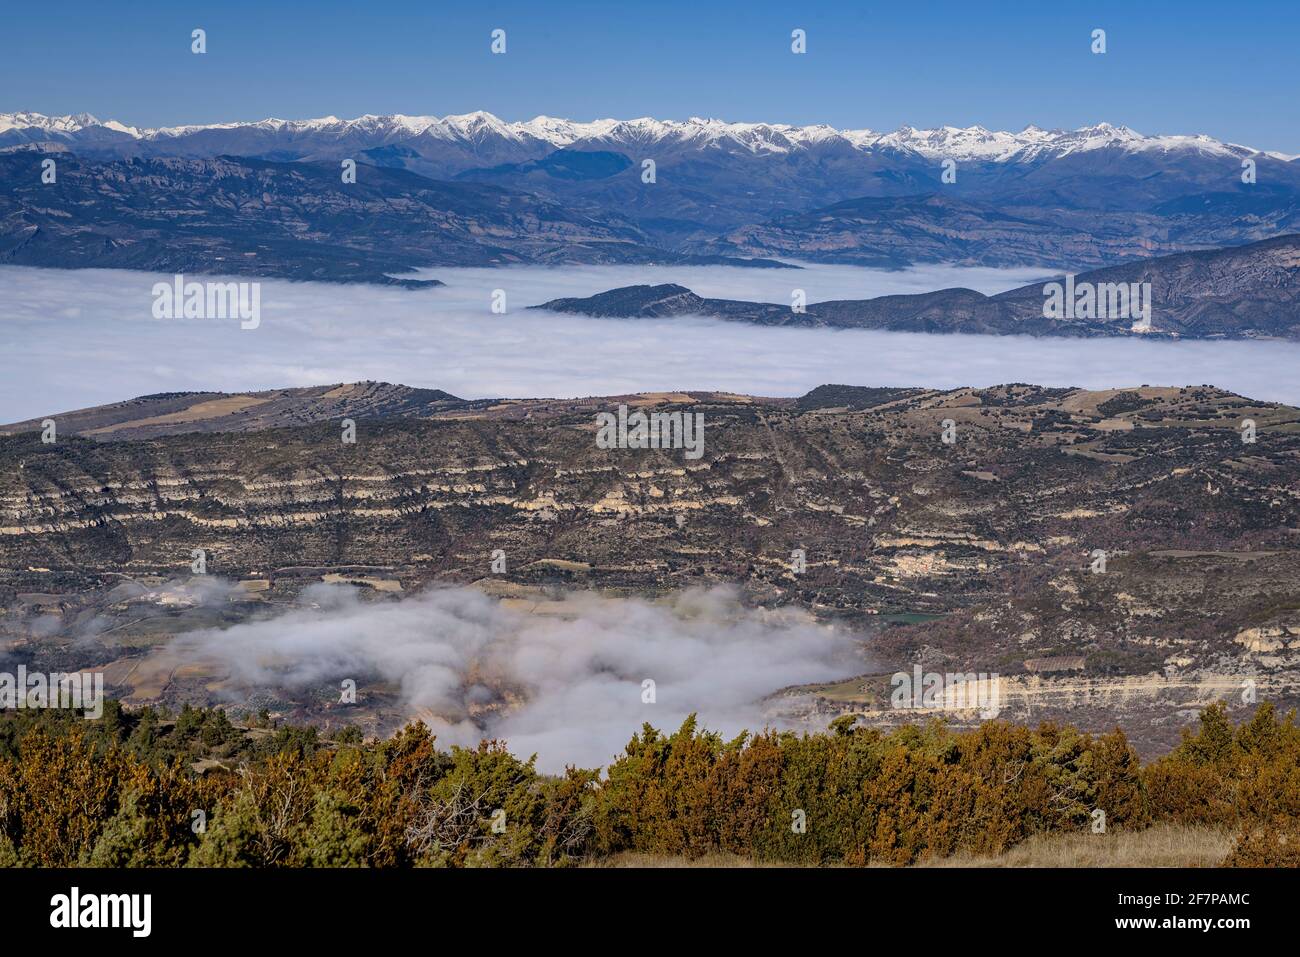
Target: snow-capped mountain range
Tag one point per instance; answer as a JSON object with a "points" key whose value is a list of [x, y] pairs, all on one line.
{"points": [[475, 129], [1062, 199]]}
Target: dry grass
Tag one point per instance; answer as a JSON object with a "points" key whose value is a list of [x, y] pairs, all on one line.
{"points": [[1164, 845]]}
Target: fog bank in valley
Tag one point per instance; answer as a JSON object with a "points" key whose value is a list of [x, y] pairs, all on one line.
{"points": [[568, 685], [76, 338]]}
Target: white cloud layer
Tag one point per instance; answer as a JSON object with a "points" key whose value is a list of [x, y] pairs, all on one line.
{"points": [[71, 339], [567, 686]]}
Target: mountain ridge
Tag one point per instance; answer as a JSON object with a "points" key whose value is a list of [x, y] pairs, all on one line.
{"points": [[160, 415], [974, 142], [995, 531], [1240, 292], [1061, 200], [234, 215]]}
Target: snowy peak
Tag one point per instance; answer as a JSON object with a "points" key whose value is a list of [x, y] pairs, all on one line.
{"points": [[973, 143], [49, 124]]}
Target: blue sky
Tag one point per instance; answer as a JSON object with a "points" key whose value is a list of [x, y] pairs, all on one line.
{"points": [[1226, 69]]}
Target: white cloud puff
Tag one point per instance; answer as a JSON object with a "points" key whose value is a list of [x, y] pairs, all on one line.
{"points": [[566, 685]]}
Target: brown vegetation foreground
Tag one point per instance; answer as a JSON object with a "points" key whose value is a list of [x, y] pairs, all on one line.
{"points": [[124, 791]]}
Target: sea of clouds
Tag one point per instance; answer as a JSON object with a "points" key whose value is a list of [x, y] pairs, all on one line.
{"points": [[568, 686], [76, 338]]}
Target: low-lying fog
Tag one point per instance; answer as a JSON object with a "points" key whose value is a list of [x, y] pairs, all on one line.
{"points": [[76, 338], [573, 679]]}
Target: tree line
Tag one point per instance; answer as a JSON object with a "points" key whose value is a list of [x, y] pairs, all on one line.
{"points": [[145, 788]]}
